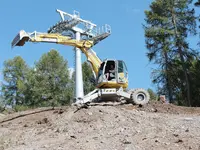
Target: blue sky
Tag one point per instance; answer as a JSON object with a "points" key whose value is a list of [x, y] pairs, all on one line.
{"points": [[126, 42]]}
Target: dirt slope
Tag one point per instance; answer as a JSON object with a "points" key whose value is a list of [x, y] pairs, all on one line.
{"points": [[154, 126]]}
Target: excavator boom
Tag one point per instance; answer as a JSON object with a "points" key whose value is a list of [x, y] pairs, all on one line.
{"points": [[84, 45]]}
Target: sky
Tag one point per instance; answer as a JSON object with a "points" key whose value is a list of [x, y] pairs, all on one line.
{"points": [[126, 41]]}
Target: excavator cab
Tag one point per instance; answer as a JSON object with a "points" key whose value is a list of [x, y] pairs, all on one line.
{"points": [[112, 74]]}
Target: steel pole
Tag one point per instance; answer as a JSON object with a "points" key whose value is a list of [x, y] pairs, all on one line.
{"points": [[79, 76]]}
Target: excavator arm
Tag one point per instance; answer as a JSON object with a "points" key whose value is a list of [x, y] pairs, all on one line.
{"points": [[84, 45]]}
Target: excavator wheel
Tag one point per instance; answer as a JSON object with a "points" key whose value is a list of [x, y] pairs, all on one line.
{"points": [[139, 96]]}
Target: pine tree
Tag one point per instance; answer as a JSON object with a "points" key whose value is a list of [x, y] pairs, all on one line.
{"points": [[52, 83], [14, 76], [168, 24]]}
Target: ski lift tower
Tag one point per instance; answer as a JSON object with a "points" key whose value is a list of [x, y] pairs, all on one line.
{"points": [[75, 27]]}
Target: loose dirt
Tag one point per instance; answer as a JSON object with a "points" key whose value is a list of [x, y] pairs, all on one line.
{"points": [[154, 126]]}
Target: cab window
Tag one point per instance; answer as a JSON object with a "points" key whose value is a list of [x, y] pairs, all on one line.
{"points": [[122, 70], [101, 69], [120, 67]]}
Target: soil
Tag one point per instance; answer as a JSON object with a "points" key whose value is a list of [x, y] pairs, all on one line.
{"points": [[155, 126]]}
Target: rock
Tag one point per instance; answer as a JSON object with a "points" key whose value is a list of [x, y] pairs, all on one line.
{"points": [[57, 130], [25, 125], [125, 141], [179, 141], [154, 110], [144, 139], [90, 113], [187, 130], [43, 121], [156, 141], [176, 135], [73, 136]]}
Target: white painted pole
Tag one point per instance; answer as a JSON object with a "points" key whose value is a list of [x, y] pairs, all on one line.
{"points": [[79, 75]]}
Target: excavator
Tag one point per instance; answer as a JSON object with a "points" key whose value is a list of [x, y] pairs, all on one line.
{"points": [[111, 76]]}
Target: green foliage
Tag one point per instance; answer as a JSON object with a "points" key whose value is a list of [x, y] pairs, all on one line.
{"points": [[88, 77], [14, 76], [195, 84], [46, 84], [2, 108], [28, 89], [152, 94], [168, 24], [19, 108], [51, 81], [2, 104]]}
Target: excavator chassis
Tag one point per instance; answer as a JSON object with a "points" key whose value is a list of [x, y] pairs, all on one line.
{"points": [[137, 96]]}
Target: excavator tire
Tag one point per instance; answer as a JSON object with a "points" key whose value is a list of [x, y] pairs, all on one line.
{"points": [[139, 96]]}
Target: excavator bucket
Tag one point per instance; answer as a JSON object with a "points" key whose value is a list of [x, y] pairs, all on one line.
{"points": [[20, 39]]}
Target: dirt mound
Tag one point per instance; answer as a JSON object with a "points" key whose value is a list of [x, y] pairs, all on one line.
{"points": [[154, 126], [168, 108]]}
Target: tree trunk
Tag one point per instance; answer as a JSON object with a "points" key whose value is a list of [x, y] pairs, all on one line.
{"points": [[177, 38], [186, 76], [169, 89]]}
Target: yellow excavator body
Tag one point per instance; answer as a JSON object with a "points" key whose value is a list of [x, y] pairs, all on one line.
{"points": [[83, 45]]}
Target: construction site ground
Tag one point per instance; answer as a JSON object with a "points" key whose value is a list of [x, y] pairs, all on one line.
{"points": [[155, 126]]}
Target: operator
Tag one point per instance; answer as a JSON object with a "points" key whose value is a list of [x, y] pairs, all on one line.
{"points": [[111, 72]]}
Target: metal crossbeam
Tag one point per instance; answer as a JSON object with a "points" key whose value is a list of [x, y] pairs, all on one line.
{"points": [[72, 23]]}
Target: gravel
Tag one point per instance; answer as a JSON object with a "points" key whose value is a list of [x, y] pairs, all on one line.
{"points": [[124, 127]]}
